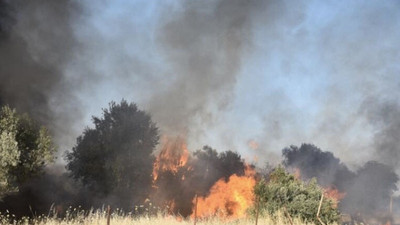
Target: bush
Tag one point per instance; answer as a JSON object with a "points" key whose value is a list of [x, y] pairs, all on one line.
{"points": [[283, 192]]}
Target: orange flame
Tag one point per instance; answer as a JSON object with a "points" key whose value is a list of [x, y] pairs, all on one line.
{"points": [[334, 194], [230, 199], [253, 144], [297, 173], [173, 155]]}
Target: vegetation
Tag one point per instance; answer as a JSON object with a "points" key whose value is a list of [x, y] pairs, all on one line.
{"points": [[115, 157], [114, 160], [25, 149], [76, 217], [283, 192]]}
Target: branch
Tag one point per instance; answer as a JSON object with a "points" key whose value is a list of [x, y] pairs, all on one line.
{"points": [[319, 209], [288, 215]]}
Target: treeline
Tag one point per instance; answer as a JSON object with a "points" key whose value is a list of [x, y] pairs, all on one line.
{"points": [[109, 164], [112, 164]]}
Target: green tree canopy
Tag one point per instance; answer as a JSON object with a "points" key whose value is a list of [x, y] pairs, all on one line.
{"points": [[25, 148], [115, 157], [284, 192]]}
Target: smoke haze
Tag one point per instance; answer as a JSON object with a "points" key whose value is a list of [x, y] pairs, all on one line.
{"points": [[218, 72], [367, 190], [250, 76]]}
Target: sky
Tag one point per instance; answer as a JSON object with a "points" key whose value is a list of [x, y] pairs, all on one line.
{"points": [[280, 72], [250, 76]]}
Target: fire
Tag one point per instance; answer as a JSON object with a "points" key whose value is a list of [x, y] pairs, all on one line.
{"points": [[253, 144], [297, 173], [334, 194], [230, 199], [227, 199], [170, 164], [173, 155]]}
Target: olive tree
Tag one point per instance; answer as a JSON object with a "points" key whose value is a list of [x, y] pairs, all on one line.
{"points": [[25, 149]]}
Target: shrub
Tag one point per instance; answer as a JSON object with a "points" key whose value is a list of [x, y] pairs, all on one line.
{"points": [[283, 192]]}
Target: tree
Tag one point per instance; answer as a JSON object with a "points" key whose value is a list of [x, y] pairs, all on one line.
{"points": [[202, 170], [115, 157], [284, 192], [375, 180], [25, 148], [323, 165]]}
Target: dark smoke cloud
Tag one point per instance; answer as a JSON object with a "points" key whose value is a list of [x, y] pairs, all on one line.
{"points": [[61, 61], [371, 189], [42, 195], [313, 162], [203, 43], [6, 19], [367, 190], [37, 42], [197, 64]]}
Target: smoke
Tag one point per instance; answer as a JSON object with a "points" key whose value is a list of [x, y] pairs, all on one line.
{"points": [[203, 44], [36, 43], [217, 72], [367, 190], [385, 116], [42, 195], [320, 64], [6, 19], [313, 162]]}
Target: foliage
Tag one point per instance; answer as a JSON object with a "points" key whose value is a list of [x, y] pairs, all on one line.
{"points": [[323, 165], [375, 180], [115, 157], [224, 163], [25, 148], [283, 192]]}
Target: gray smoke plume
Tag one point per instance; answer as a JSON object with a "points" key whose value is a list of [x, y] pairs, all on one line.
{"points": [[36, 43], [385, 116], [219, 72], [181, 65], [367, 190], [203, 44]]}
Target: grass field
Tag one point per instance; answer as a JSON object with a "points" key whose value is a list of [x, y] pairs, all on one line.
{"points": [[100, 218]]}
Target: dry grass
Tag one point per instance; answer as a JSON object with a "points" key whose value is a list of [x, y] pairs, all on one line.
{"points": [[100, 218]]}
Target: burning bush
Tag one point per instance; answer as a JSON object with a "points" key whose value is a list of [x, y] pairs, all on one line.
{"points": [[228, 199], [179, 176], [294, 197]]}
